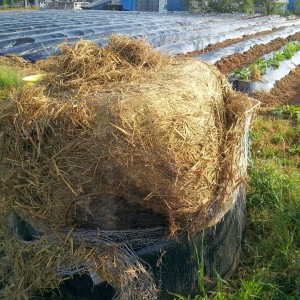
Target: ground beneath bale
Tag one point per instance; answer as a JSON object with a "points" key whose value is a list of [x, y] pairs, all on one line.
{"points": [[227, 64], [286, 91], [228, 43]]}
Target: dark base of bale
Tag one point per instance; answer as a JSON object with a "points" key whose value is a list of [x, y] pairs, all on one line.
{"points": [[118, 215], [175, 264], [82, 288], [220, 247], [247, 87]]}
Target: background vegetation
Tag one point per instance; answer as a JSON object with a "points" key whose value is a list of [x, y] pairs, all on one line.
{"points": [[8, 4], [247, 6], [270, 6], [5, 3], [225, 6]]}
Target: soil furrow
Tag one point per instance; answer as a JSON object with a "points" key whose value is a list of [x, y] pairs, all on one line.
{"points": [[228, 42], [286, 91], [227, 64]]}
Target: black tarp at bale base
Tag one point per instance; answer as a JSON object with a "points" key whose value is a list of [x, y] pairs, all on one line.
{"points": [[176, 264]]}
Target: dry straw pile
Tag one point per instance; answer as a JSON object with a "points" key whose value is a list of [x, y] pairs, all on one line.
{"points": [[116, 137], [86, 66]]}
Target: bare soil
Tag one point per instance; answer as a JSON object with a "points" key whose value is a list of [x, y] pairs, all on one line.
{"points": [[286, 91], [227, 64], [228, 42]]}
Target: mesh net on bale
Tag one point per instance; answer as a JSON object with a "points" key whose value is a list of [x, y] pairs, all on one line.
{"points": [[115, 140]]}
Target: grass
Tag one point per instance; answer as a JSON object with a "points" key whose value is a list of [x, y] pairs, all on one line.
{"points": [[12, 8], [270, 264], [8, 77]]}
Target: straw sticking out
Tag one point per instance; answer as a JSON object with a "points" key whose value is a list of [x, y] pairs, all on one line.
{"points": [[120, 137]]}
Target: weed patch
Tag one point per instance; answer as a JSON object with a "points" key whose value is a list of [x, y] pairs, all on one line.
{"points": [[276, 133], [8, 77]]}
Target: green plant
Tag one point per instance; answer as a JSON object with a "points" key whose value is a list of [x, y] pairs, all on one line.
{"points": [[271, 6], [288, 112], [242, 73], [266, 186], [8, 77], [278, 56], [200, 262], [223, 6], [278, 138], [262, 64], [277, 135], [295, 149]]}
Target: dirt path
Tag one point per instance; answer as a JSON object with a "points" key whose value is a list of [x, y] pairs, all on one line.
{"points": [[227, 64], [287, 91], [228, 43]]}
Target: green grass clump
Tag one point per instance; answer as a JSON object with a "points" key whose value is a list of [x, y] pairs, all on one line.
{"points": [[271, 256], [8, 77], [272, 247], [276, 133]]}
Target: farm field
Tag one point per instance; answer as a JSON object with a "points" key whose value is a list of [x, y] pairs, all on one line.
{"points": [[212, 38], [34, 35], [270, 263]]}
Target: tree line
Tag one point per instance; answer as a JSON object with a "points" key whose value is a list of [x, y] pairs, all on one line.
{"points": [[16, 3], [9, 3], [229, 6]]}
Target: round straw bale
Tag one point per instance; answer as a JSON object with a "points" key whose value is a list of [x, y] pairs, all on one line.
{"points": [[139, 154], [118, 137], [166, 139]]}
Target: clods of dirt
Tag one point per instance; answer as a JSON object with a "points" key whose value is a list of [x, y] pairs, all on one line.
{"points": [[228, 42], [286, 91], [227, 64]]}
